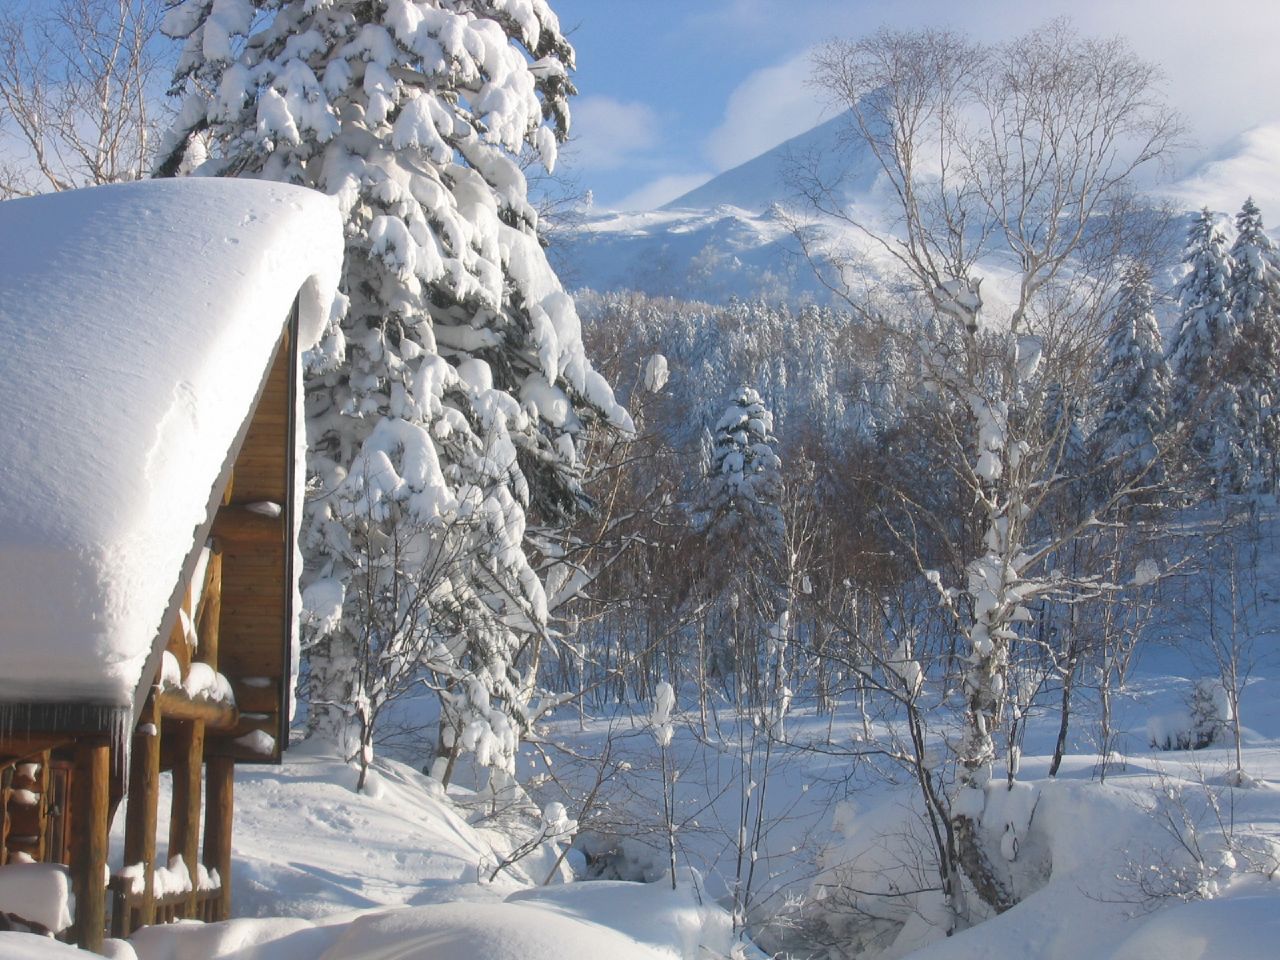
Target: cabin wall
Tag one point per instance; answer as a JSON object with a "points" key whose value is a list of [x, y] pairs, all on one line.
{"points": [[257, 589]]}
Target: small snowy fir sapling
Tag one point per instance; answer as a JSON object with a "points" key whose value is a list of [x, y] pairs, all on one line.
{"points": [[1210, 708], [1204, 723], [445, 405], [745, 473], [745, 532]]}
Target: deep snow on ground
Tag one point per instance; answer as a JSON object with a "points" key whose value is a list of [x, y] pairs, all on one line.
{"points": [[402, 871], [1103, 868], [393, 873], [829, 817]]}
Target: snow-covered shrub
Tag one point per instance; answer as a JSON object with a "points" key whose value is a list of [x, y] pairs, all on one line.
{"points": [[1205, 722], [1209, 707], [1202, 850]]}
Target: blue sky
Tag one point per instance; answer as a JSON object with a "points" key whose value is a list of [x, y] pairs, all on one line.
{"points": [[675, 91]]}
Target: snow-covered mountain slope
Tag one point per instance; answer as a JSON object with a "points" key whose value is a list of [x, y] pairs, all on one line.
{"points": [[731, 237], [707, 255], [764, 180], [734, 235]]}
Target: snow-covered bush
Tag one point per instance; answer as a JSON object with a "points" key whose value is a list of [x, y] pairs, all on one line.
{"points": [[1205, 722], [1209, 709]]}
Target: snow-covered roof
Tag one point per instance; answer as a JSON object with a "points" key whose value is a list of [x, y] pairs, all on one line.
{"points": [[136, 324]]}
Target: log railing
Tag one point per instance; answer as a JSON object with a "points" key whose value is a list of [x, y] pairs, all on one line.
{"points": [[127, 906]]}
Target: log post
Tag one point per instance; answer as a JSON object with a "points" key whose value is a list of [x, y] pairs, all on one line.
{"points": [[90, 799], [184, 822], [210, 612], [43, 788], [6, 778], [218, 816], [140, 816], [178, 644]]}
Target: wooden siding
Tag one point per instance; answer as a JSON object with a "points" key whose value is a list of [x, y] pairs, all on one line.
{"points": [[257, 597]]}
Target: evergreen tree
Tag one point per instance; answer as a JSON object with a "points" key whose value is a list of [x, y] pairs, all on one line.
{"points": [[746, 473], [745, 536], [444, 407], [1203, 398], [1255, 365], [1134, 384]]}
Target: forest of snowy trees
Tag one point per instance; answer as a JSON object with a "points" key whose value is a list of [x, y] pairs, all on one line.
{"points": [[956, 506], [809, 536], [956, 494]]}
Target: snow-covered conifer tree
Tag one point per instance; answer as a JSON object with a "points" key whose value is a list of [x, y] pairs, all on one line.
{"points": [[746, 473], [1204, 396], [1255, 365], [746, 536], [1133, 383], [445, 404]]}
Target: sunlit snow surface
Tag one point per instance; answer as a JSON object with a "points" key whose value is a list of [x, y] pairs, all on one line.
{"points": [[392, 873], [136, 324]]}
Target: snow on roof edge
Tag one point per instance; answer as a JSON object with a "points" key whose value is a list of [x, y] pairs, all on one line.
{"points": [[135, 323]]}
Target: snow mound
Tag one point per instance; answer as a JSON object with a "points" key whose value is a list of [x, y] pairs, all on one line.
{"points": [[308, 845], [28, 946], [39, 892], [1244, 927], [496, 931], [670, 922], [278, 937], [445, 931]]}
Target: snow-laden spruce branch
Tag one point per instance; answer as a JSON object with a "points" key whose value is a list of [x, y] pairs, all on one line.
{"points": [[452, 388]]}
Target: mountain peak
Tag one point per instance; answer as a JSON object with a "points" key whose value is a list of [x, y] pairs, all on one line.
{"points": [[759, 183]]}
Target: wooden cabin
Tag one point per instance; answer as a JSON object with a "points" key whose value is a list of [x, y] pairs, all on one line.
{"points": [[150, 340]]}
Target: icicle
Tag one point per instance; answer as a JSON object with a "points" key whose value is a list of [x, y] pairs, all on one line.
{"points": [[122, 742]]}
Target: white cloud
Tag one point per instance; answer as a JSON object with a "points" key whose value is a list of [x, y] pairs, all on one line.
{"points": [[606, 133], [770, 106], [1220, 66], [663, 190], [1250, 169]]}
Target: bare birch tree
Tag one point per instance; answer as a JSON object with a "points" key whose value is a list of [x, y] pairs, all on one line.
{"points": [[80, 84], [1020, 157]]}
